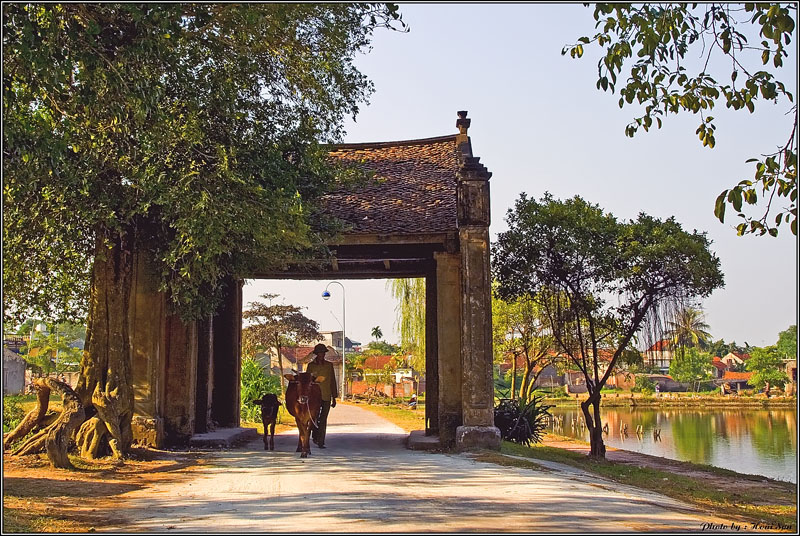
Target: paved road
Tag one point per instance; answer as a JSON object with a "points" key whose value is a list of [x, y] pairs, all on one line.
{"points": [[367, 481]]}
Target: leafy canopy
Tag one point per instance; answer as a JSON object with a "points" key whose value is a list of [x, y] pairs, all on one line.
{"points": [[767, 366], [662, 40], [195, 127], [787, 342], [690, 366]]}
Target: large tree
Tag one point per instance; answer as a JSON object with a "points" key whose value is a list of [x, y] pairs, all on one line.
{"points": [[787, 342], [599, 281], [188, 132], [272, 326], [683, 56]]}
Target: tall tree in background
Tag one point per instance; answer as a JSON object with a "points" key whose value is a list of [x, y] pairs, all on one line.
{"points": [[688, 329], [787, 342], [410, 296], [188, 132], [377, 333], [521, 329], [274, 325], [664, 39], [598, 281]]}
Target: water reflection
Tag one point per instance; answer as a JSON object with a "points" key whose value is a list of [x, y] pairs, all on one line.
{"points": [[762, 442]]}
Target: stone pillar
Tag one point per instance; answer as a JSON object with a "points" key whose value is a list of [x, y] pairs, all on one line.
{"points": [[205, 375], [478, 430], [431, 357], [448, 320], [147, 316], [181, 380], [227, 324]]}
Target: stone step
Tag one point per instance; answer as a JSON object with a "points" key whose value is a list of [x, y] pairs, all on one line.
{"points": [[417, 440]]}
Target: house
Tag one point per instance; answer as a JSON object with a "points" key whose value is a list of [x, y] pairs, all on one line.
{"points": [[739, 380], [719, 367], [334, 338], [294, 358], [659, 355], [13, 373], [734, 359]]}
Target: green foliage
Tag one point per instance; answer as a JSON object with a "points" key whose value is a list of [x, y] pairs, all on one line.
{"points": [[410, 295], [720, 348], [787, 342], [767, 366], [690, 366], [572, 258], [381, 348], [688, 329], [196, 129], [255, 384], [522, 424], [12, 412], [377, 333], [644, 385], [662, 39]]}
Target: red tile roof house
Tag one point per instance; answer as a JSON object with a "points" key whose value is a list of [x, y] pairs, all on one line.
{"points": [[740, 380], [401, 384], [295, 358], [719, 367]]}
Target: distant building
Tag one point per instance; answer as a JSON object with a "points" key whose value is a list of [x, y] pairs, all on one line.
{"points": [[334, 338], [659, 355]]}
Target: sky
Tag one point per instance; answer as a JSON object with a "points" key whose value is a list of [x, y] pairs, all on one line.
{"points": [[540, 125]]}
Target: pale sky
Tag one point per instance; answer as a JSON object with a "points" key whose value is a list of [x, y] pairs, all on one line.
{"points": [[539, 124]]}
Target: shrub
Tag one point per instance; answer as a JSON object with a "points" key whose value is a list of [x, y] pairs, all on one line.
{"points": [[522, 424], [644, 385], [12, 413], [255, 384]]}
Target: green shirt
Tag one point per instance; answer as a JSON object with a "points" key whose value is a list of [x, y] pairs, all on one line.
{"points": [[328, 387]]}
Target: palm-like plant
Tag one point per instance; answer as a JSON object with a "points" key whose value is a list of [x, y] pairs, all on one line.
{"points": [[689, 329], [377, 333]]}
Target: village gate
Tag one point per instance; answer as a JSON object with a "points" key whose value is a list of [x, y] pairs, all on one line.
{"points": [[425, 215]]}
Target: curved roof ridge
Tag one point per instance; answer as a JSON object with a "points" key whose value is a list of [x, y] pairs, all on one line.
{"points": [[379, 144]]}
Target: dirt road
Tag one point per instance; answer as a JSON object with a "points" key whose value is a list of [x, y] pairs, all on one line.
{"points": [[366, 480]]}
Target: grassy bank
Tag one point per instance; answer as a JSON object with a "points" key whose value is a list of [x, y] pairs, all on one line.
{"points": [[671, 400], [407, 419], [775, 504]]}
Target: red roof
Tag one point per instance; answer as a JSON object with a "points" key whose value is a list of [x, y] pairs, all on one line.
{"points": [[377, 362], [730, 375], [718, 364], [414, 191], [300, 354], [661, 346]]}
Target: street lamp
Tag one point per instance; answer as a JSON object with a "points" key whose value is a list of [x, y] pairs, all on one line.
{"points": [[325, 296]]}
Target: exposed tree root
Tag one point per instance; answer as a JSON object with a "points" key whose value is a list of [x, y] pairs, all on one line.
{"points": [[90, 438], [32, 419], [55, 438]]}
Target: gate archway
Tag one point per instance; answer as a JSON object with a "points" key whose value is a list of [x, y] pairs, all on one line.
{"points": [[427, 216]]}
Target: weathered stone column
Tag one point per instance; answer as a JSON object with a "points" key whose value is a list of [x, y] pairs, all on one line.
{"points": [[205, 375], [478, 430], [448, 319], [147, 315], [431, 357], [181, 380], [227, 324]]}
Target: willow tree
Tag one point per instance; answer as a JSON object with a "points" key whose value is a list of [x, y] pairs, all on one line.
{"points": [[599, 281], [188, 132], [410, 309]]}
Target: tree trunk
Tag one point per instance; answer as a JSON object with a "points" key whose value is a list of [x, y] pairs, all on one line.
{"points": [[591, 414], [280, 364], [33, 418], [513, 376], [55, 438], [104, 386]]}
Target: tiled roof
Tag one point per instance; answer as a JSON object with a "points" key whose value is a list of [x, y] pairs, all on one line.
{"points": [[377, 362], [302, 354], [719, 364], [730, 375], [415, 190], [661, 346]]}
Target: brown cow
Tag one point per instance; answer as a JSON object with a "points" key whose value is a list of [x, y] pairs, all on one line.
{"points": [[303, 401], [269, 415]]}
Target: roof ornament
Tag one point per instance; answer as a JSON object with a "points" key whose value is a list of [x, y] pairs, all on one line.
{"points": [[463, 123]]}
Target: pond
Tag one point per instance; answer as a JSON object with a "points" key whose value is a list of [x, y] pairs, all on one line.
{"points": [[759, 442]]}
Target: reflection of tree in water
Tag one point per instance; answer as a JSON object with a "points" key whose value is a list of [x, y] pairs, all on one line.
{"points": [[693, 436], [772, 433]]}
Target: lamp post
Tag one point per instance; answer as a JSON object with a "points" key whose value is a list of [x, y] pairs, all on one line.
{"points": [[325, 296]]}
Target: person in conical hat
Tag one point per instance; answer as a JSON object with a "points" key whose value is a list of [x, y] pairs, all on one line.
{"points": [[320, 367]]}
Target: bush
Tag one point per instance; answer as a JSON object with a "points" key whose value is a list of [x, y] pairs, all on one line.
{"points": [[12, 413], [644, 385], [255, 384], [522, 424]]}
